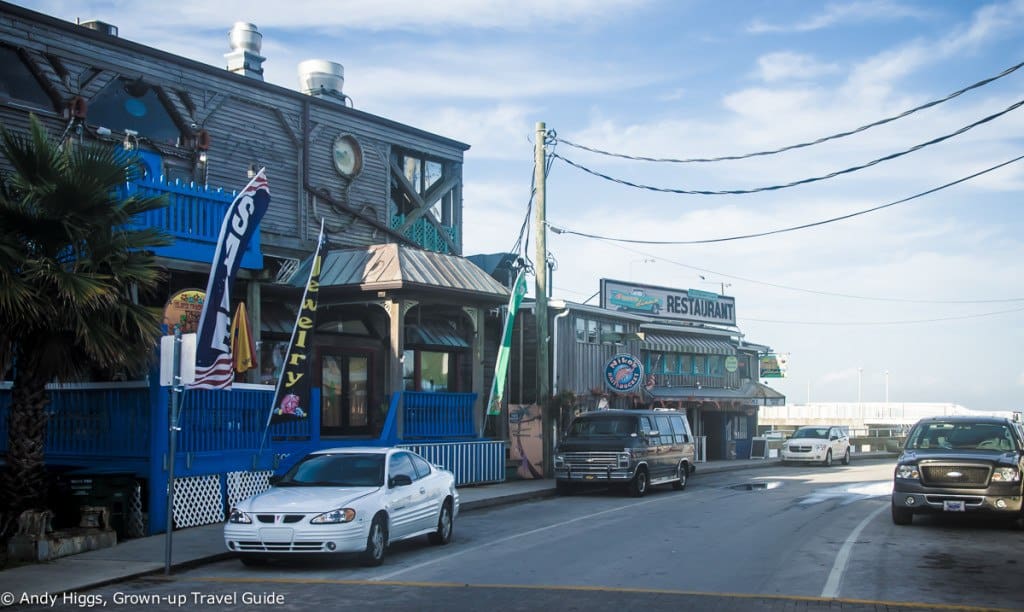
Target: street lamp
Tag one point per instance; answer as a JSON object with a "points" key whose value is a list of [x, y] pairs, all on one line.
{"points": [[644, 260]]}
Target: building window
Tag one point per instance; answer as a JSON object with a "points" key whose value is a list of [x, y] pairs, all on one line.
{"points": [[716, 367], [686, 364], [699, 365], [428, 371], [581, 330], [18, 82], [671, 364], [134, 105], [593, 332]]}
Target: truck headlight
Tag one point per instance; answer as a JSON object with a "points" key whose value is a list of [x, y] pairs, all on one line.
{"points": [[341, 515], [908, 472], [624, 459], [559, 460], [239, 517], [1005, 474]]}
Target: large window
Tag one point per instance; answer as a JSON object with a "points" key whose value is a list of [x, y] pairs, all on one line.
{"points": [[18, 82], [429, 371], [592, 331], [134, 105]]}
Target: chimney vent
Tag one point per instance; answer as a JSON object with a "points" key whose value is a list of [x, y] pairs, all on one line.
{"points": [[323, 79], [245, 58], [100, 26]]}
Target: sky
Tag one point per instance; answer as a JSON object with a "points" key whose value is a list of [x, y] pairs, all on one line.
{"points": [[923, 299]]}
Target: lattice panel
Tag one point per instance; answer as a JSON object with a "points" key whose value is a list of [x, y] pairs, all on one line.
{"points": [[242, 485], [136, 524], [198, 500]]}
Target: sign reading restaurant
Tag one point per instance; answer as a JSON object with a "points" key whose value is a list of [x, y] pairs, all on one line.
{"points": [[665, 303]]}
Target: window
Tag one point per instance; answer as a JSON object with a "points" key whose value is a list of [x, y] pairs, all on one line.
{"points": [[592, 332], [429, 371], [699, 365], [18, 82], [686, 364], [400, 463], [134, 105], [679, 430], [581, 330], [664, 429], [645, 425], [716, 365], [671, 364], [422, 174], [422, 467]]}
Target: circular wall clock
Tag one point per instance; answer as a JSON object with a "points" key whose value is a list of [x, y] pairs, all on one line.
{"points": [[347, 155]]}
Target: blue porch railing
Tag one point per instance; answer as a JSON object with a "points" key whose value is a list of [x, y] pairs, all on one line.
{"points": [[124, 427], [193, 217], [423, 233]]}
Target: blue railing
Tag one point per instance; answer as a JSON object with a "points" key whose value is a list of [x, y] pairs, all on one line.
{"points": [[438, 415], [423, 233], [193, 217]]}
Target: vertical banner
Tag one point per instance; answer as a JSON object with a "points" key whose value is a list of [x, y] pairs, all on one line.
{"points": [[214, 369], [291, 398], [505, 350]]}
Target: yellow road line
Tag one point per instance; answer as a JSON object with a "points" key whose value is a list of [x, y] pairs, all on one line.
{"points": [[599, 589]]}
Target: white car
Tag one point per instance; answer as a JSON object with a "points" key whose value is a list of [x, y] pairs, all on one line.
{"points": [[819, 444], [345, 500]]}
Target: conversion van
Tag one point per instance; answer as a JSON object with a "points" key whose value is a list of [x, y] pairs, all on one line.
{"points": [[631, 448]]}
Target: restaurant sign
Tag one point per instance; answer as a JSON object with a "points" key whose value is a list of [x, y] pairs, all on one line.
{"points": [[183, 310], [665, 303]]}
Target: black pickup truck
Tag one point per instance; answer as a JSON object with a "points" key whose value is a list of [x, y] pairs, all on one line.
{"points": [[960, 464]]}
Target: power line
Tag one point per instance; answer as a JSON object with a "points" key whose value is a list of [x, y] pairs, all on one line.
{"points": [[907, 322], [809, 291], [802, 144], [562, 230], [805, 181]]}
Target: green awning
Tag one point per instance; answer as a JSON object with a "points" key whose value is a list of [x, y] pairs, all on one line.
{"points": [[665, 343]]}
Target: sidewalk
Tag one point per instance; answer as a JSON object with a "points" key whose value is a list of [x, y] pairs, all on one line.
{"points": [[197, 545]]}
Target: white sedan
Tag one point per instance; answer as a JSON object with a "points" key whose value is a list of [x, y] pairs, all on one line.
{"points": [[819, 444], [346, 500]]}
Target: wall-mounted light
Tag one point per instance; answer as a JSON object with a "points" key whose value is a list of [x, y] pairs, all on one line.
{"points": [[251, 172], [131, 140], [202, 157]]}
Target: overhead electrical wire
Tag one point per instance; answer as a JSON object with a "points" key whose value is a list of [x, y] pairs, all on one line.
{"points": [[802, 144], [805, 181], [562, 230]]}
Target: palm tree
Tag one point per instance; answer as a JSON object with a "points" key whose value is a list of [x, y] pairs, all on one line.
{"points": [[70, 265]]}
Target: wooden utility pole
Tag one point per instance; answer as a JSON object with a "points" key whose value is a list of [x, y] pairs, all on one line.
{"points": [[541, 292]]}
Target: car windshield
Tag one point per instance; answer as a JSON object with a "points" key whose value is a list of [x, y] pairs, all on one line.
{"points": [[346, 470], [603, 426], [961, 435], [811, 432]]}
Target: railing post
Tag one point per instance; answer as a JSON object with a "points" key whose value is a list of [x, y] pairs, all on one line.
{"points": [[158, 450]]}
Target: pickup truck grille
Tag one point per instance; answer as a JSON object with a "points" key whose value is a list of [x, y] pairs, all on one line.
{"points": [[591, 462], [968, 476]]}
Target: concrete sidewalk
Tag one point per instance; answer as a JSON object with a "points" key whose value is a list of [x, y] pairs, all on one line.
{"points": [[197, 545]]}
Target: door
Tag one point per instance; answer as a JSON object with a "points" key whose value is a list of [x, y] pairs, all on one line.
{"points": [[344, 394], [403, 501]]}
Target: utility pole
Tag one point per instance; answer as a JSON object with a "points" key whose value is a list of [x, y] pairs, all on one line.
{"points": [[541, 292]]}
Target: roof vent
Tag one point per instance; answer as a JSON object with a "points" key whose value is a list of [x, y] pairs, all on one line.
{"points": [[245, 58], [100, 26], [323, 79]]}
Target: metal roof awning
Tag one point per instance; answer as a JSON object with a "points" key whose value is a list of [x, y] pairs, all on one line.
{"points": [[750, 392], [687, 344], [435, 334]]}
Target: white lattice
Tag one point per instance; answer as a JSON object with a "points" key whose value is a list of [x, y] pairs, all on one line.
{"points": [[136, 525], [242, 485], [198, 500]]}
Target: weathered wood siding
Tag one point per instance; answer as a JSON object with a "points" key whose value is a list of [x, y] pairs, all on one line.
{"points": [[249, 122]]}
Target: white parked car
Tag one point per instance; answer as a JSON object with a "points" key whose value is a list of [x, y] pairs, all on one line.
{"points": [[346, 500], [819, 444]]}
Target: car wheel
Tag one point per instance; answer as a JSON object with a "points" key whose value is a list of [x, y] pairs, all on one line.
{"points": [[828, 458], [902, 516], [638, 486], [445, 525], [681, 472], [252, 560], [846, 457], [376, 542]]}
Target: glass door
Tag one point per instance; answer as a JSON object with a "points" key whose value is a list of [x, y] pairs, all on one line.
{"points": [[345, 390]]}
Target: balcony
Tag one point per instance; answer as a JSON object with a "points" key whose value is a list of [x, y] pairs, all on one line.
{"points": [[193, 217], [425, 235]]}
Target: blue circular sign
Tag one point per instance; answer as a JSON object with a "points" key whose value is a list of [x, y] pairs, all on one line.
{"points": [[623, 373]]}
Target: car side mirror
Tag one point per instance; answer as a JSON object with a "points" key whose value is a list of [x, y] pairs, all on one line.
{"points": [[400, 480], [834, 438]]}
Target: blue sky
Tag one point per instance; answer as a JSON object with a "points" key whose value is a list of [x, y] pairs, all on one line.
{"points": [[931, 291]]}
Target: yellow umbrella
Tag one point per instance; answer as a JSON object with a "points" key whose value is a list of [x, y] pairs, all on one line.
{"points": [[242, 349]]}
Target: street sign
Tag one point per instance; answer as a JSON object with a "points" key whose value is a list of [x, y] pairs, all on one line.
{"points": [[188, 360]]}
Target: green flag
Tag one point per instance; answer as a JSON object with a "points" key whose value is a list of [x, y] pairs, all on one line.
{"points": [[501, 366]]}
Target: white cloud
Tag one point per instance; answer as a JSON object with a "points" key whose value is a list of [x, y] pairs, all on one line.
{"points": [[840, 14], [786, 65]]}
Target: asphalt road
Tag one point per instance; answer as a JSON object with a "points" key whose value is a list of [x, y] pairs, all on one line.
{"points": [[776, 538]]}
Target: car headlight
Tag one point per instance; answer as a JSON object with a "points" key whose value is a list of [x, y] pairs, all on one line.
{"points": [[819, 446], [239, 517], [341, 515], [1006, 474], [908, 472], [624, 459], [559, 460]]}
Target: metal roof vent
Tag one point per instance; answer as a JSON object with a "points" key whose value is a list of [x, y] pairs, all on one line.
{"points": [[100, 26], [323, 79], [245, 58]]}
